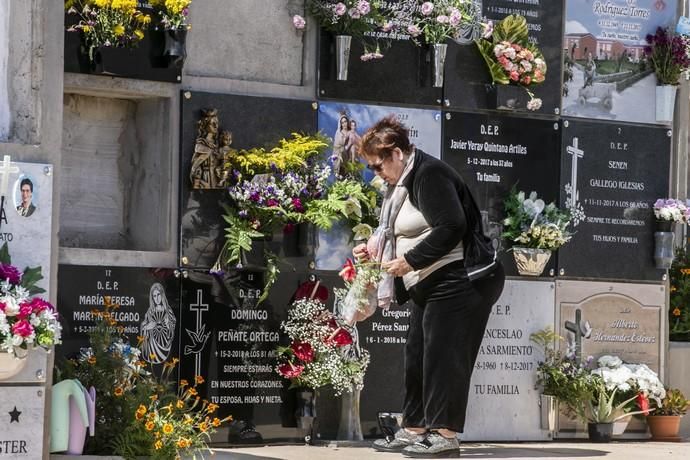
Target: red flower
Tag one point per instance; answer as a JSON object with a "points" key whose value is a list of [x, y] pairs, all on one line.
{"points": [[349, 272], [303, 351], [340, 337], [38, 305], [290, 371], [25, 310], [22, 328], [643, 402]]}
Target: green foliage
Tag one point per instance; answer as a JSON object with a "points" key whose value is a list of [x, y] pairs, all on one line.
{"points": [[674, 403], [600, 406], [238, 237], [30, 276], [131, 442], [348, 199], [679, 306]]}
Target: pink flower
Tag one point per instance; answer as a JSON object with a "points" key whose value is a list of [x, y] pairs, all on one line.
{"points": [[427, 8], [290, 371], [349, 272], [363, 7], [354, 13], [38, 305], [413, 30], [526, 80], [25, 310], [303, 351], [487, 29], [22, 328], [442, 19], [271, 203], [10, 273], [3, 305], [298, 21], [514, 75], [534, 104], [297, 205], [340, 9], [455, 17], [387, 27]]}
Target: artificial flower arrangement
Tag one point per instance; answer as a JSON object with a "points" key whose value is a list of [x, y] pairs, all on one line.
{"points": [[671, 210], [137, 412], [173, 14], [358, 299], [511, 58], [288, 185], [679, 305], [435, 22], [343, 17], [668, 54], [26, 322], [109, 23], [321, 350], [530, 223]]}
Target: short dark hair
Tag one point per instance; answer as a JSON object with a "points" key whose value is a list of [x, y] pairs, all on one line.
{"points": [[26, 181], [382, 138]]}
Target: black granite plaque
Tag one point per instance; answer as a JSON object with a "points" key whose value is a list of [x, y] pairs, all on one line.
{"points": [[148, 300], [619, 171], [144, 61], [402, 76], [467, 76], [493, 153], [253, 122]]}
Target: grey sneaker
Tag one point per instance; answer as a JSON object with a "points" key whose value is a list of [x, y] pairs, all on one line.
{"points": [[401, 440], [434, 446]]}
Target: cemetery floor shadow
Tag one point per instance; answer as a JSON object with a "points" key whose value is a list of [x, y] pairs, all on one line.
{"points": [[484, 451]]}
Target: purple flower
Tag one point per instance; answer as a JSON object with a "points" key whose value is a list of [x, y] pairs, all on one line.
{"points": [[243, 214], [297, 204], [271, 203], [363, 7], [298, 21], [340, 9], [10, 273], [255, 197], [413, 30], [354, 13], [427, 8], [387, 27]]}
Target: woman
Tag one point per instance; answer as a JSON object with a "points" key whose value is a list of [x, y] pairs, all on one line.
{"points": [[424, 229], [339, 140]]}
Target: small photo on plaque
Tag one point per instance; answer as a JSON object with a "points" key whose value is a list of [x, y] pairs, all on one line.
{"points": [[26, 195]]}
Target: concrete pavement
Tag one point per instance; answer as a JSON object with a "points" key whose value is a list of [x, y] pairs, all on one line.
{"points": [[619, 450]]}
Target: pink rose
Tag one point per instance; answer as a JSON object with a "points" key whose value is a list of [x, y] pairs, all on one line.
{"points": [[442, 19], [514, 75], [354, 13], [22, 328], [413, 30], [363, 7], [298, 21], [427, 8], [340, 9], [455, 17]]}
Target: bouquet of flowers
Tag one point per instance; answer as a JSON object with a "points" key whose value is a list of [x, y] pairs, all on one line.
{"points": [[529, 222], [668, 54], [25, 322], [322, 350], [343, 17], [629, 380], [671, 210], [116, 23], [173, 13], [445, 19], [358, 300], [511, 58]]}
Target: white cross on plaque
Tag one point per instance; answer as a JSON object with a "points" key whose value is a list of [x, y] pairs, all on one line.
{"points": [[576, 153], [6, 169], [199, 307]]}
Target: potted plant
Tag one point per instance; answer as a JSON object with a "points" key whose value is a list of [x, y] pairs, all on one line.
{"points": [[344, 19], [173, 16], [534, 229], [664, 421], [679, 305], [108, 28], [667, 213], [434, 23], [513, 62], [667, 52]]}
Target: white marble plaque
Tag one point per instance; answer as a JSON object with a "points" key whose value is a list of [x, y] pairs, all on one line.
{"points": [[26, 217], [21, 422], [503, 402]]}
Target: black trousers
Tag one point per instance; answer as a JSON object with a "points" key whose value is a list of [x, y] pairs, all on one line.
{"points": [[449, 316]]}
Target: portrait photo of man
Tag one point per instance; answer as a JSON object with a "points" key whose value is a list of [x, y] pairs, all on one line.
{"points": [[26, 189]]}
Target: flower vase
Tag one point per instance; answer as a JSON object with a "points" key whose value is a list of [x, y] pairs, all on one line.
{"points": [[549, 412], [663, 249], [305, 412], [350, 427], [600, 432], [115, 61], [438, 62], [531, 261], [664, 427], [507, 97], [664, 226], [10, 365], [342, 55], [620, 425], [175, 47], [665, 101]]}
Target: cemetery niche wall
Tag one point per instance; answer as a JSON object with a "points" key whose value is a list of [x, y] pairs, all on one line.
{"points": [[609, 186]]}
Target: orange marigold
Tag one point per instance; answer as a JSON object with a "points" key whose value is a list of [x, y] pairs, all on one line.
{"points": [[216, 422], [150, 425], [676, 311], [199, 379], [167, 428], [118, 392]]}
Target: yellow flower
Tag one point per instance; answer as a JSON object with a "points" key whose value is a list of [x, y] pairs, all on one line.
{"points": [[118, 392], [192, 391], [203, 426], [188, 420], [91, 360], [86, 28], [212, 408], [149, 426], [216, 422], [199, 380], [158, 445], [139, 34], [180, 404], [183, 443], [169, 408], [676, 311], [140, 339], [145, 19], [102, 3], [673, 289], [119, 30], [183, 383], [153, 397], [167, 428], [141, 409]]}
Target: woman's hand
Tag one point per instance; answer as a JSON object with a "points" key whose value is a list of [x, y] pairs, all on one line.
{"points": [[397, 267], [360, 252]]}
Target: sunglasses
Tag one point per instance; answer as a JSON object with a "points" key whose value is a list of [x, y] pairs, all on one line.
{"points": [[378, 167]]}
